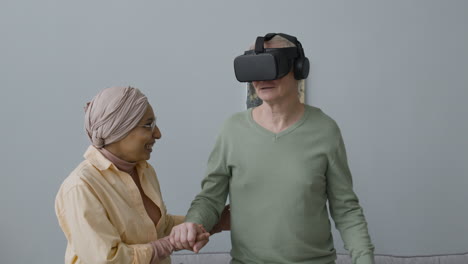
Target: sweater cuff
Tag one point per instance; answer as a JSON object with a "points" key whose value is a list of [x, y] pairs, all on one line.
{"points": [[365, 259], [191, 219]]}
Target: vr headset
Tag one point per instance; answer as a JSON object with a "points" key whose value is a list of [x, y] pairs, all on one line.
{"points": [[263, 64]]}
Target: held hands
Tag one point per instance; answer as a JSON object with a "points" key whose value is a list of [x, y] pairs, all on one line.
{"points": [[163, 248], [189, 236]]}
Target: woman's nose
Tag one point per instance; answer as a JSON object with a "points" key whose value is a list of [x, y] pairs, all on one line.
{"points": [[156, 132]]}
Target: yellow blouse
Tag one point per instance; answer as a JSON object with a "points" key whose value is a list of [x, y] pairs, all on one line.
{"points": [[102, 214]]}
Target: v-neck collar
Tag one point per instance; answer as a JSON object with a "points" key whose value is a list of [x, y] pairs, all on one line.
{"points": [[272, 134]]}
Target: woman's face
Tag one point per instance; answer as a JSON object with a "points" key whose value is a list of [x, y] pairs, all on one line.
{"points": [[138, 144]]}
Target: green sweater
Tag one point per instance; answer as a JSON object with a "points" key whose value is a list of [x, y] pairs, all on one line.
{"points": [[278, 185]]}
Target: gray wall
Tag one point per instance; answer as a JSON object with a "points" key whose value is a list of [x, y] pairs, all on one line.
{"points": [[393, 74]]}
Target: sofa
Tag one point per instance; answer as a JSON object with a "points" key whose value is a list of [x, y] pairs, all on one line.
{"points": [[224, 258]]}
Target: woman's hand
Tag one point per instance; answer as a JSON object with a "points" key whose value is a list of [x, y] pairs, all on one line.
{"points": [[162, 248]]}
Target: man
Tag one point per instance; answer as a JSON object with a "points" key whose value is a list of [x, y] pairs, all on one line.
{"points": [[280, 163]]}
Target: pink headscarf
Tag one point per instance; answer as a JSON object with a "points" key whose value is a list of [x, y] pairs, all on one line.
{"points": [[113, 113]]}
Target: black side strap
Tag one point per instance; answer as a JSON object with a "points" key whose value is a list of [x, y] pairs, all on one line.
{"points": [[259, 45]]}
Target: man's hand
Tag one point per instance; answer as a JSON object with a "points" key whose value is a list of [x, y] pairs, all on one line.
{"points": [[224, 222], [189, 236]]}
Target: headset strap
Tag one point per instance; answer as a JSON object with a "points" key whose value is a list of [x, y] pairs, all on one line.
{"points": [[259, 45], [291, 52], [288, 37], [261, 40]]}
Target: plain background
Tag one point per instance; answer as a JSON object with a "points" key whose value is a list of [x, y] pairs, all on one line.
{"points": [[393, 74]]}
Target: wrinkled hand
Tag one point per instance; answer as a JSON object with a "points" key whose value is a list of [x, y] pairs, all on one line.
{"points": [[224, 222], [162, 248], [189, 236]]}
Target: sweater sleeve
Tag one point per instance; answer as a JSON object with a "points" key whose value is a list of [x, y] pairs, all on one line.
{"points": [[344, 206], [207, 206]]}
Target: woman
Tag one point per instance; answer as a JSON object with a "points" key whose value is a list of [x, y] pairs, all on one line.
{"points": [[110, 207]]}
